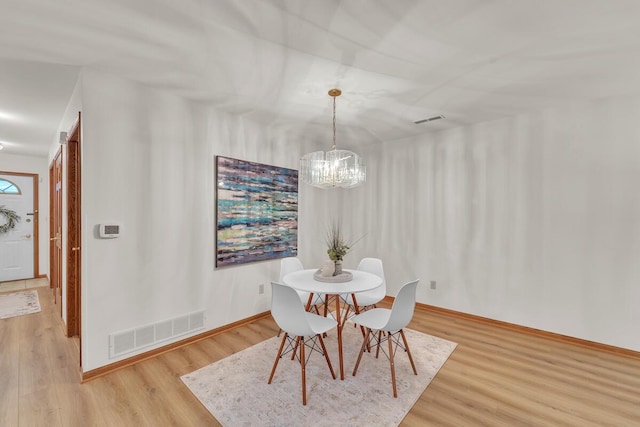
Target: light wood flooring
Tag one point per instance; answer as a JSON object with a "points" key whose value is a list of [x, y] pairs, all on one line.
{"points": [[495, 377], [19, 285]]}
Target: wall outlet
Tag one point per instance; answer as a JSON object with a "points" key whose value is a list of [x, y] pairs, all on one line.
{"points": [[261, 288], [433, 284]]}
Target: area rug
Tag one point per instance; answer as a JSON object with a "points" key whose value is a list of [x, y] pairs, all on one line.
{"points": [[236, 392], [18, 304]]}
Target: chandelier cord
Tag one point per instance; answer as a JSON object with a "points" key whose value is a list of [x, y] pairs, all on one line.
{"points": [[334, 123]]}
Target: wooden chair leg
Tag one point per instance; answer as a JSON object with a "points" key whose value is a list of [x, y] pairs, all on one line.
{"points": [[307, 307], [300, 343], [275, 363], [326, 356], [406, 345], [393, 367], [364, 345], [378, 344], [295, 349], [356, 311], [344, 318], [303, 364], [346, 315]]}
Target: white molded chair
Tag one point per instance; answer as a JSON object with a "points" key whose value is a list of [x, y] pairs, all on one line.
{"points": [[301, 330], [290, 265], [368, 299], [389, 324]]}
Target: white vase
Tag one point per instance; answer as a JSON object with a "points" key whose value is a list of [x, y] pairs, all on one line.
{"points": [[328, 269]]}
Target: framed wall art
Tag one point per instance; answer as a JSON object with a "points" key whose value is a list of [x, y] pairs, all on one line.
{"points": [[256, 212]]}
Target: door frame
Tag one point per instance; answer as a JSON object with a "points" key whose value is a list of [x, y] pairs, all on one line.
{"points": [[36, 222], [55, 229], [74, 231]]}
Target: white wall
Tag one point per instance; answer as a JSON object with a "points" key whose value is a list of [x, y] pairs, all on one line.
{"points": [[530, 220], [533, 220], [37, 165], [69, 119], [148, 164]]}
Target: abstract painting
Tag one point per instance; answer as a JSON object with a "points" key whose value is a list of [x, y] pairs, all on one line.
{"points": [[256, 211]]}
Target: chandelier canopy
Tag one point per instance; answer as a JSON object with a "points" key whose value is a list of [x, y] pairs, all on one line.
{"points": [[335, 168]]}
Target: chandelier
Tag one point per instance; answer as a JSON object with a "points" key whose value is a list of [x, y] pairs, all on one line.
{"points": [[336, 168]]}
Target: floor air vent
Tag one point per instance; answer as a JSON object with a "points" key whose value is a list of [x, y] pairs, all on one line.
{"points": [[144, 336]]}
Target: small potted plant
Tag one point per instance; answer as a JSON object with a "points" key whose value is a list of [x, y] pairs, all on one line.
{"points": [[337, 246]]}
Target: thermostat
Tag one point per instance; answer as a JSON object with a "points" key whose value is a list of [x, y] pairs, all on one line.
{"points": [[109, 231]]}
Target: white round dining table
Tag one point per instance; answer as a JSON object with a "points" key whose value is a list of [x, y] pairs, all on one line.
{"points": [[304, 280]]}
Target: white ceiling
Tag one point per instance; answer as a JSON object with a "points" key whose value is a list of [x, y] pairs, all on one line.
{"points": [[274, 60]]}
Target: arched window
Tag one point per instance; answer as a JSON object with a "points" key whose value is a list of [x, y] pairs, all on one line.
{"points": [[8, 187]]}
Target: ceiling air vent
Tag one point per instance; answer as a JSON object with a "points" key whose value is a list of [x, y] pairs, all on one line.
{"points": [[430, 119]]}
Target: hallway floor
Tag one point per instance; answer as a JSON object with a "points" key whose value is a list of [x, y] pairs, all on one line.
{"points": [[18, 285]]}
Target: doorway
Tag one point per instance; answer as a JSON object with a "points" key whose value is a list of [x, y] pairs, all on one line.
{"points": [[19, 226], [65, 245], [74, 231], [55, 230]]}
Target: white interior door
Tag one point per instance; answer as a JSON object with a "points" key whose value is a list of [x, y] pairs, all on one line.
{"points": [[16, 246]]}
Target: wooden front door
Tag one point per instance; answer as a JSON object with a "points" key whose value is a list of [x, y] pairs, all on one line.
{"points": [[19, 246]]}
